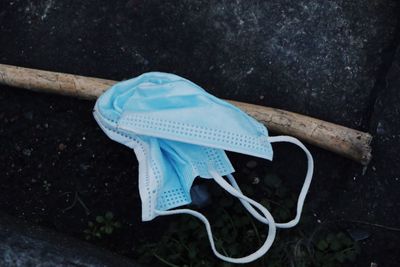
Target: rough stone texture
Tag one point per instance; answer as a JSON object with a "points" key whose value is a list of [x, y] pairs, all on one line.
{"points": [[373, 198], [25, 245], [311, 57], [317, 58], [385, 169]]}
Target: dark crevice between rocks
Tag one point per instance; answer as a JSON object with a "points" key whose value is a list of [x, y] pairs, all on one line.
{"points": [[387, 58]]}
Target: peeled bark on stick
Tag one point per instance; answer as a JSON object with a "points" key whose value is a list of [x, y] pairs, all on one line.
{"points": [[344, 141]]}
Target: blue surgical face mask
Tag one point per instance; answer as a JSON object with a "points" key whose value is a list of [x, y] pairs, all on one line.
{"points": [[178, 132]]}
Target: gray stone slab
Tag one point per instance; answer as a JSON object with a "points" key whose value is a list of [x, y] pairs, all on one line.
{"points": [[23, 245], [313, 57], [370, 199]]}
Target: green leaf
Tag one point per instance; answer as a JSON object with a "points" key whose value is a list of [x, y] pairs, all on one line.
{"points": [[109, 215], [100, 219], [322, 245], [108, 230], [219, 243], [340, 257], [234, 249], [330, 237], [192, 253], [335, 245]]}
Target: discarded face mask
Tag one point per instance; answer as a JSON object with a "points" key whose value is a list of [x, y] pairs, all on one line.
{"points": [[178, 132]]}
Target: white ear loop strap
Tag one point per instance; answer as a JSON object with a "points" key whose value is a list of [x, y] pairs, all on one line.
{"points": [[271, 225], [303, 192], [249, 204]]}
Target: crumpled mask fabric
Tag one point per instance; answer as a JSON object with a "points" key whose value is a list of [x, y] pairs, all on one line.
{"points": [[179, 132]]}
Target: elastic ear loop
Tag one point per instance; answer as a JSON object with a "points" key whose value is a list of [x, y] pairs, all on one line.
{"points": [[303, 192], [271, 223], [249, 203]]}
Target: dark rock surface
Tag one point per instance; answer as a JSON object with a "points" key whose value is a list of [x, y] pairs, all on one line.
{"points": [[24, 245], [321, 59], [310, 57], [385, 169], [375, 195]]}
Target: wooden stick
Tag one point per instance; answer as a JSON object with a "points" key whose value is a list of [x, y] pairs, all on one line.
{"points": [[344, 141]]}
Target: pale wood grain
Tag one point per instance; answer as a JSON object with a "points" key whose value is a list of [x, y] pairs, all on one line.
{"points": [[344, 141]]}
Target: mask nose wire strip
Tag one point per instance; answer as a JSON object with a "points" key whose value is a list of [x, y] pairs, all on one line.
{"points": [[271, 225], [303, 192]]}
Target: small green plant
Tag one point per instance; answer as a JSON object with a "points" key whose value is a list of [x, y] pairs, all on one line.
{"points": [[103, 225], [236, 233], [46, 186], [335, 249]]}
